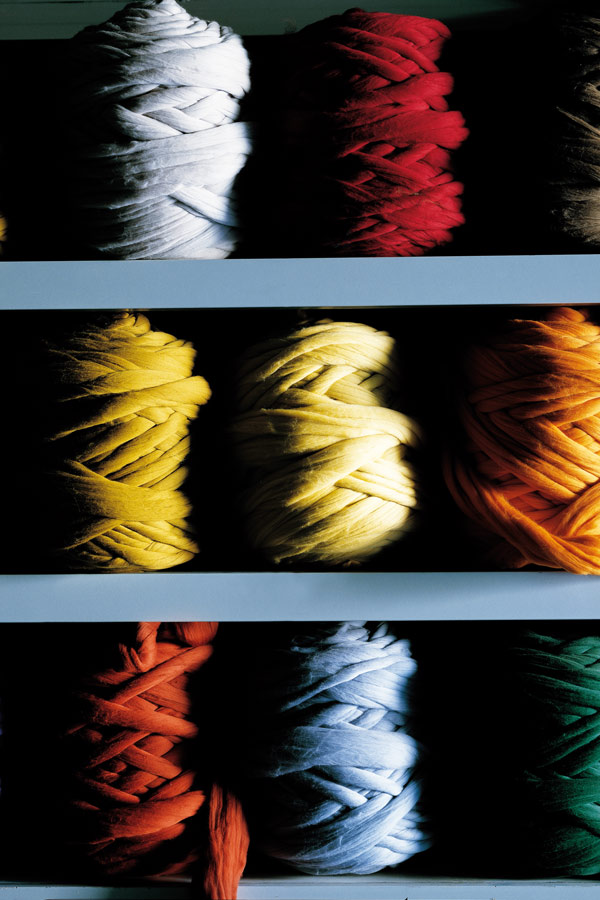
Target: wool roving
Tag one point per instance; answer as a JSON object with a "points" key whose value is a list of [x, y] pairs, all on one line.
{"points": [[331, 769], [138, 804], [156, 145], [122, 397], [574, 139], [370, 131], [559, 681], [323, 452], [529, 473]]}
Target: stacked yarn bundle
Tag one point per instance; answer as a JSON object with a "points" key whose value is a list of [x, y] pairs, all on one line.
{"points": [[323, 451], [574, 188], [122, 397], [156, 145], [369, 136], [529, 476], [331, 768], [136, 797], [560, 683]]}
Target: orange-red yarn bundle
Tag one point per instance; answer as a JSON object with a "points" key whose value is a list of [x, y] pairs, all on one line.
{"points": [[530, 471], [139, 806]]}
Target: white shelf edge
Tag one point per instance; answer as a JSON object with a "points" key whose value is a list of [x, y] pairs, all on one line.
{"points": [[284, 596], [244, 283], [375, 887]]}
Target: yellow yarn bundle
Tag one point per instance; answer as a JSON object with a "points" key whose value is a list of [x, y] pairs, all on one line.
{"points": [[124, 397], [323, 452]]}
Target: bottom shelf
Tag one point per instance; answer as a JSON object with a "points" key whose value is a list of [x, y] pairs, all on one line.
{"points": [[388, 886]]}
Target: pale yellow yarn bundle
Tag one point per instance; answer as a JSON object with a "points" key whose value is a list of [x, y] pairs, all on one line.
{"points": [[124, 397], [324, 454]]}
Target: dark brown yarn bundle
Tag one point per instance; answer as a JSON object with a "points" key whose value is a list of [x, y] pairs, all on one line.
{"points": [[573, 143]]}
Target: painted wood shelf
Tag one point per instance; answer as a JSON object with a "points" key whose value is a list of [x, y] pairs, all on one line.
{"points": [[306, 283], [296, 887], [279, 596]]}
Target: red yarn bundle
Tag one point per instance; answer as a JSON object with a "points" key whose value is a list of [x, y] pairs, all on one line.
{"points": [[373, 133], [137, 806]]}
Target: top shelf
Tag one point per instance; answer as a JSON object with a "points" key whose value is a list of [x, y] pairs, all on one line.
{"points": [[244, 283]]}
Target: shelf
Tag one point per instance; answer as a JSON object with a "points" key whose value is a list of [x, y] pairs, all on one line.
{"points": [[281, 596], [297, 887], [416, 281]]}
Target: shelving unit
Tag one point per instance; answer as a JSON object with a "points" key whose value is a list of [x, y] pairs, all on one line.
{"points": [[415, 596]]}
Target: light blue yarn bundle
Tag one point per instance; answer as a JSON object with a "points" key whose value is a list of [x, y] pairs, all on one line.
{"points": [[333, 789]]}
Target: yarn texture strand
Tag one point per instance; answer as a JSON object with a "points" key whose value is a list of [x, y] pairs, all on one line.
{"points": [[136, 806], [370, 132], [560, 681], [332, 769], [156, 141], [323, 451], [531, 418], [122, 398]]}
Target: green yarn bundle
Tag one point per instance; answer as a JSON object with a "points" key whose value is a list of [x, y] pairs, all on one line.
{"points": [[560, 680]]}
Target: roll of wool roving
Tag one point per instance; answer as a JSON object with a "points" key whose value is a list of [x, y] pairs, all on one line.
{"points": [[529, 473], [574, 189], [137, 805], [559, 681], [156, 147], [323, 453], [370, 134], [121, 398], [331, 769]]}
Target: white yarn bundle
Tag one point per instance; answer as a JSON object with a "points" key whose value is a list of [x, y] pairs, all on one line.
{"points": [[335, 792], [156, 146]]}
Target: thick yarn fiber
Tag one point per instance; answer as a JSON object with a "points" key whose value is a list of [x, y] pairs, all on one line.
{"points": [[530, 472], [560, 684], [323, 452], [370, 122], [136, 802], [332, 764], [156, 146], [575, 183], [122, 400]]}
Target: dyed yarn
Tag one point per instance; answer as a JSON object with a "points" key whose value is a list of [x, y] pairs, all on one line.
{"points": [[122, 400], [372, 131], [157, 146], [136, 802], [560, 684], [323, 453], [575, 139], [333, 765], [531, 418]]}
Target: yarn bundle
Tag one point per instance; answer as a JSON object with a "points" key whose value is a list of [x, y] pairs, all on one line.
{"points": [[156, 141], [121, 398], [574, 183], [137, 806], [332, 767], [530, 412], [370, 135], [560, 681], [323, 453]]}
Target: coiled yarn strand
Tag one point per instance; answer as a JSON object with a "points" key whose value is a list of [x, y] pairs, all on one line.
{"points": [[560, 683], [332, 768], [136, 806], [156, 145], [370, 131], [530, 471], [122, 397], [322, 450]]}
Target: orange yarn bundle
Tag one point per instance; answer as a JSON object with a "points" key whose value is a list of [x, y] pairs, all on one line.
{"points": [[531, 417], [136, 799]]}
